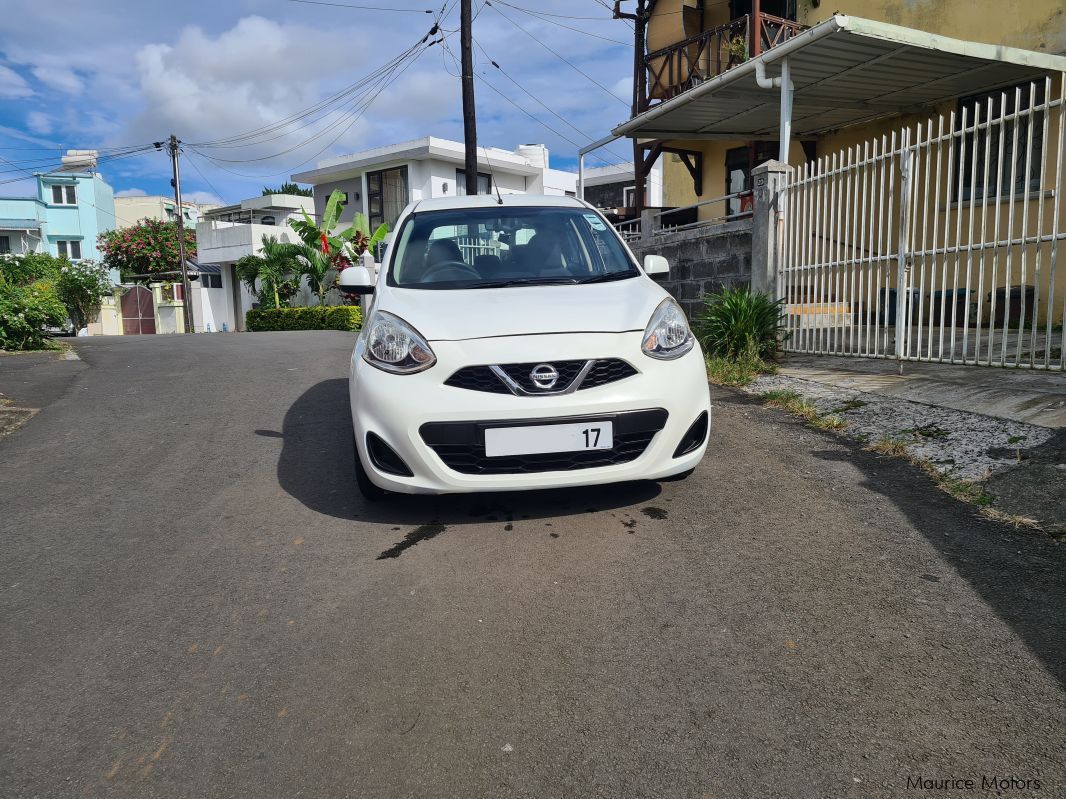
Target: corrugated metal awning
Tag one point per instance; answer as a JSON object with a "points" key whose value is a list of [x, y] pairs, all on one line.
{"points": [[20, 224], [844, 71]]}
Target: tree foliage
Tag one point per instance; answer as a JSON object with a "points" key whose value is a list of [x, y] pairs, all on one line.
{"points": [[80, 287], [148, 248], [324, 250], [29, 306], [288, 188], [273, 275]]}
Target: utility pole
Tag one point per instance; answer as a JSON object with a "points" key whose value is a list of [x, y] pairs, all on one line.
{"points": [[466, 38], [173, 145]]}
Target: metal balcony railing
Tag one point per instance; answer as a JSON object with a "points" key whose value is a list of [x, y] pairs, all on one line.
{"points": [[688, 63]]}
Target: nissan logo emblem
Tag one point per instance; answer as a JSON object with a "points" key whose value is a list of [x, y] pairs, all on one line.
{"points": [[544, 375]]}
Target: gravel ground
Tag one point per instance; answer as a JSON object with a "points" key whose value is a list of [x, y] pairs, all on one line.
{"points": [[966, 446]]}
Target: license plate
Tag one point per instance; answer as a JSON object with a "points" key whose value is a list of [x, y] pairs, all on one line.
{"points": [[544, 438]]}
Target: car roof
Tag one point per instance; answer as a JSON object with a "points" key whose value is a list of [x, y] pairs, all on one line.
{"points": [[490, 200]]}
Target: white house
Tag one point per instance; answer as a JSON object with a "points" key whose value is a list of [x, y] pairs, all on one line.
{"points": [[613, 188], [381, 181], [227, 234]]}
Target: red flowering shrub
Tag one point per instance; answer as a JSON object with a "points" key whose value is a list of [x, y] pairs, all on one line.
{"points": [[149, 247]]}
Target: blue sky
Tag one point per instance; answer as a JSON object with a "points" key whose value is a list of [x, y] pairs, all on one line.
{"points": [[115, 73]]}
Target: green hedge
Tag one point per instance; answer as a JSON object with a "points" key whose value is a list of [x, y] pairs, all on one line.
{"points": [[319, 317]]}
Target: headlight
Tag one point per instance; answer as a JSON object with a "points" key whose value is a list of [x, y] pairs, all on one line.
{"points": [[394, 346], [667, 335]]}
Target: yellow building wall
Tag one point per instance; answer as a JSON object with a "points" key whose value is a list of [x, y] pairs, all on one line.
{"points": [[1028, 24]]}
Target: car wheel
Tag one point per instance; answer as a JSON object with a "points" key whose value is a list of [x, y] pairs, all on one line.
{"points": [[370, 492]]}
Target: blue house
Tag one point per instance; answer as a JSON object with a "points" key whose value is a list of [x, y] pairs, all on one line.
{"points": [[71, 208]]}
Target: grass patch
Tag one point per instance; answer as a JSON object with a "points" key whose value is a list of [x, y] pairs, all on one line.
{"points": [[889, 446], [736, 371], [829, 422], [1015, 439], [793, 403]]}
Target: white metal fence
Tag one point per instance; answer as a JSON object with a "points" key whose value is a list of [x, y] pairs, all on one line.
{"points": [[938, 242]]}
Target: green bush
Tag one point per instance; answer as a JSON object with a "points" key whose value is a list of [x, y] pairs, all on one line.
{"points": [[319, 317], [738, 322], [26, 313], [80, 287]]}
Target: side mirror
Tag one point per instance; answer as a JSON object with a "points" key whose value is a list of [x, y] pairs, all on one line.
{"points": [[656, 265], [356, 280]]}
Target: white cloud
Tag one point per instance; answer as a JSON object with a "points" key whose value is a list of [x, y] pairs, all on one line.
{"points": [[59, 78], [39, 122], [12, 84], [204, 197], [131, 193]]}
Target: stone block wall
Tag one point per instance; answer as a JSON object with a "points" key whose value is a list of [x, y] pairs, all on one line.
{"points": [[702, 260]]}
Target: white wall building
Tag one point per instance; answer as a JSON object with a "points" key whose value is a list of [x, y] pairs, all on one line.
{"points": [[381, 181], [131, 210], [227, 234]]}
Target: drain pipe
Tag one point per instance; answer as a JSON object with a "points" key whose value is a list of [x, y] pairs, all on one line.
{"points": [[784, 83]]}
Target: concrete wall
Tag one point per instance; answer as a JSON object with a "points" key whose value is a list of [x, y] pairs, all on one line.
{"points": [[702, 260]]}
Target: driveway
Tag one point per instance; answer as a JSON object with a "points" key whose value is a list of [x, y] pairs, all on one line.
{"points": [[194, 602]]}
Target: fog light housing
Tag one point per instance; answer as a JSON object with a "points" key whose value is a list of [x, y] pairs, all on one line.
{"points": [[694, 436], [385, 458]]}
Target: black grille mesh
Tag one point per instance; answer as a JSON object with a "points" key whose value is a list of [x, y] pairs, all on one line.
{"points": [[482, 378]]}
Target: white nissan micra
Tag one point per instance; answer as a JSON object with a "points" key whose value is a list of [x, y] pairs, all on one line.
{"points": [[515, 343]]}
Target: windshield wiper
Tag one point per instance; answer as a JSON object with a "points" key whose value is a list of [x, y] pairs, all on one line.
{"points": [[607, 277], [534, 281]]}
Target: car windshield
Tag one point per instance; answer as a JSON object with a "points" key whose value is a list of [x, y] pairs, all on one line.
{"points": [[473, 248]]}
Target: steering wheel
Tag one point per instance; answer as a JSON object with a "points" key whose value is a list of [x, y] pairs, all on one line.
{"points": [[450, 270]]}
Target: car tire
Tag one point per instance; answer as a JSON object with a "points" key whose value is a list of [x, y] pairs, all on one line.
{"points": [[370, 492]]}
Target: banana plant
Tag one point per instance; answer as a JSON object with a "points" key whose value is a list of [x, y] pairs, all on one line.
{"points": [[339, 247]]}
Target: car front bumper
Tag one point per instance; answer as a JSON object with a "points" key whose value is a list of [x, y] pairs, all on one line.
{"points": [[407, 410]]}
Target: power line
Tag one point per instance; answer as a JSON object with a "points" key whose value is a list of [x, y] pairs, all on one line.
{"points": [[543, 105], [392, 77], [210, 185], [543, 17], [348, 117], [540, 122], [364, 8], [244, 139], [557, 55]]}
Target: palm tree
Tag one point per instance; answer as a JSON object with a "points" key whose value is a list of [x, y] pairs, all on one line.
{"points": [[274, 268], [314, 264]]}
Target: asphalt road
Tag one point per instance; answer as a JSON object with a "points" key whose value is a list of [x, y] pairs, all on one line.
{"points": [[195, 603]]}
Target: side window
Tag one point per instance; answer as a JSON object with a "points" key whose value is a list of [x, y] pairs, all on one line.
{"points": [[57, 195], [72, 197]]}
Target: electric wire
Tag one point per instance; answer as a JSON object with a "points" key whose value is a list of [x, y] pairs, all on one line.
{"points": [[557, 54], [547, 18], [543, 105]]}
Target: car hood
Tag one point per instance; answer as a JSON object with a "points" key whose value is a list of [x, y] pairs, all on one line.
{"points": [[453, 315]]}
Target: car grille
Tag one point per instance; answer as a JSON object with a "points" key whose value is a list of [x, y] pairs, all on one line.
{"points": [[482, 378], [461, 445]]}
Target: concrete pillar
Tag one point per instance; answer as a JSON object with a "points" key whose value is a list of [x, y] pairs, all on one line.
{"points": [[647, 223], [768, 224]]}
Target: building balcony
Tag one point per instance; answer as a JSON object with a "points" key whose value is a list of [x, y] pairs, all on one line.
{"points": [[223, 242], [688, 63]]}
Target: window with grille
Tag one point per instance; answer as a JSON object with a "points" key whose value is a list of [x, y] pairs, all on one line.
{"points": [[386, 195], [1011, 145]]}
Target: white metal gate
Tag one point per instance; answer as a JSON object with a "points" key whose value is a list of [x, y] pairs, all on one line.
{"points": [[938, 242]]}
